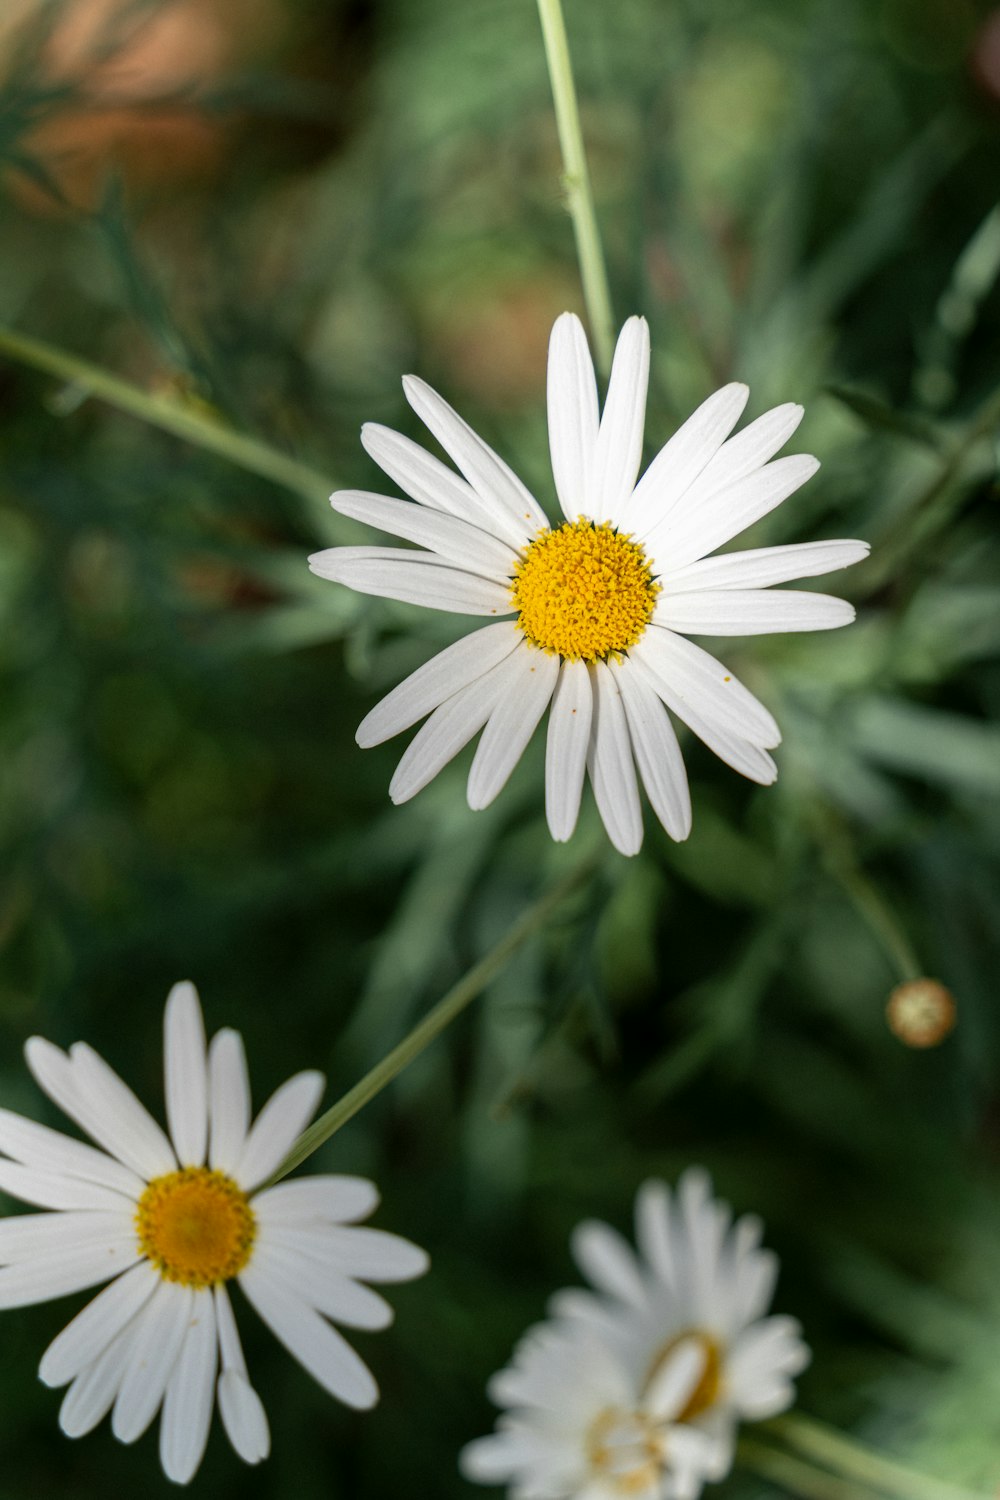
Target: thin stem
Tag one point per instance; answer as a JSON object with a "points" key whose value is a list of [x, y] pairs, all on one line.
{"points": [[854, 1462], [793, 1474], [472, 983], [169, 415], [866, 898], [576, 181]]}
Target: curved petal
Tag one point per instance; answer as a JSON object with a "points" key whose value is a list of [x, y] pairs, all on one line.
{"points": [[657, 753], [309, 1338], [761, 567], [653, 1234], [512, 723], [446, 674], [607, 1261], [240, 1407], [97, 1325], [465, 546], [70, 1269], [612, 770], [337, 1296], [485, 470], [308, 1200], [751, 611], [276, 1129], [566, 748], [367, 1254], [186, 1074], [618, 450], [747, 451], [93, 1392], [573, 414], [159, 1335], [413, 578], [189, 1396], [682, 459], [229, 1099], [449, 728], [749, 759], [58, 1190], [676, 1379], [708, 686], [432, 483], [39, 1147], [691, 532]]}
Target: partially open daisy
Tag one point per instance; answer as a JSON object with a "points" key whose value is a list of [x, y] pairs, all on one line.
{"points": [[174, 1220], [636, 1389], [603, 602]]}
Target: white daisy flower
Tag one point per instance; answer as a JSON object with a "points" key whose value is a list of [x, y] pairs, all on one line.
{"points": [[636, 1389], [603, 601], [173, 1220]]}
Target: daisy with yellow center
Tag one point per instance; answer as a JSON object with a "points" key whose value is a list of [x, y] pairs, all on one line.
{"points": [[635, 1390], [174, 1219], [602, 604]]}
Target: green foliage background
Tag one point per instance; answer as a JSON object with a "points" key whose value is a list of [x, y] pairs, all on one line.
{"points": [[801, 195]]}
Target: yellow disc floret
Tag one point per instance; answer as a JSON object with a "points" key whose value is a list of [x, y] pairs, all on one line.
{"points": [[583, 591], [196, 1226]]}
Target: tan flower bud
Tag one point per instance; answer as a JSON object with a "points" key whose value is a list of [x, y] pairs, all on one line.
{"points": [[921, 1012]]}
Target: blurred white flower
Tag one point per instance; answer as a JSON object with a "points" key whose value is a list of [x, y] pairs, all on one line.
{"points": [[636, 1389], [173, 1220], [603, 601]]}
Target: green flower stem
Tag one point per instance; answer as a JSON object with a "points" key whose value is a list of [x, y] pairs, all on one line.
{"points": [[794, 1474], [825, 1445], [866, 898], [451, 1005], [576, 181], [169, 415]]}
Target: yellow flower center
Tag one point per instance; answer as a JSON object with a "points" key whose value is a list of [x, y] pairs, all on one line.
{"points": [[583, 591], [709, 1387], [196, 1226]]}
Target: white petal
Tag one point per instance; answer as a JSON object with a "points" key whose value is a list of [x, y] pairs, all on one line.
{"points": [[331, 1293], [320, 1349], [566, 748], [485, 470], [751, 611], [444, 675], [368, 1254], [187, 1403], [572, 411], [489, 1460], [312, 1200], [618, 451], [413, 578], [656, 751], [456, 541], [700, 680], [692, 532], [50, 1150], [276, 1129], [243, 1417], [92, 1393], [97, 1325], [612, 771], [229, 1100], [682, 459], [755, 1278], [240, 1407], [186, 1074], [607, 1261], [652, 1224], [432, 483], [57, 1190], [95, 1097], [512, 723], [71, 1269], [747, 451], [159, 1334], [750, 760], [763, 566], [449, 728], [676, 1380], [761, 1365]]}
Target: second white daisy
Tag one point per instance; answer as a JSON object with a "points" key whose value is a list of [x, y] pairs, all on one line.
{"points": [[603, 603], [174, 1221]]}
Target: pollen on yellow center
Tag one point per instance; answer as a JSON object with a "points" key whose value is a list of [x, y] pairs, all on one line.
{"points": [[196, 1226], [583, 591]]}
